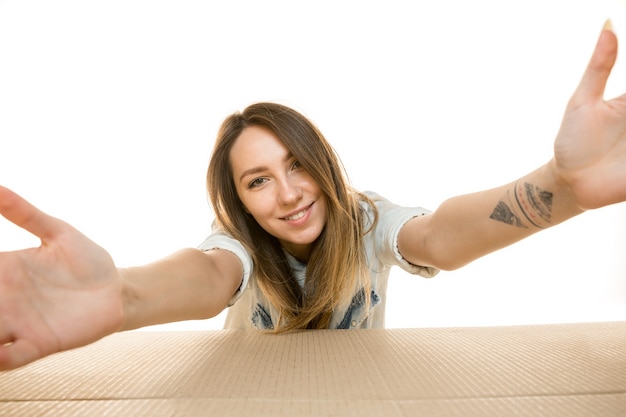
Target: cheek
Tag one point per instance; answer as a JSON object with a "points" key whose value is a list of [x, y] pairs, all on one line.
{"points": [[313, 187], [245, 199], [257, 206], [324, 210]]}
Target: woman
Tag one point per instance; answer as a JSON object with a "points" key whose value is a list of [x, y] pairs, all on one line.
{"points": [[293, 246], [316, 246]]}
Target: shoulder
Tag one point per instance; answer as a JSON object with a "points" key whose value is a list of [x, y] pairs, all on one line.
{"points": [[391, 218], [219, 239], [388, 217], [383, 205]]}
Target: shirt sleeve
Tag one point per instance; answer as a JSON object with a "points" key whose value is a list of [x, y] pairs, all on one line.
{"points": [[391, 218], [218, 239]]}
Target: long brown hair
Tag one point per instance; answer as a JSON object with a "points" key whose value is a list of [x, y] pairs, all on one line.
{"points": [[337, 265]]}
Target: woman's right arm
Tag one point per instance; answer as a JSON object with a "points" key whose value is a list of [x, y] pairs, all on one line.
{"points": [[187, 285], [68, 292]]}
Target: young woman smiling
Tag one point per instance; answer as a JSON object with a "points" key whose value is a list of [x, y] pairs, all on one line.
{"points": [[293, 245]]}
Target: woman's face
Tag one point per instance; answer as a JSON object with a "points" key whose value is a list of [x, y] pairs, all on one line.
{"points": [[281, 195]]}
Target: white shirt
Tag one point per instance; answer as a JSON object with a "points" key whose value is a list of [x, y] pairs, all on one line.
{"points": [[249, 308]]}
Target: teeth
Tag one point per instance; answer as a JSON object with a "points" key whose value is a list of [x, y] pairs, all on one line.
{"points": [[296, 216]]}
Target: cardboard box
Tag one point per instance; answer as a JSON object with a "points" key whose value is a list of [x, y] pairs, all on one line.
{"points": [[541, 370]]}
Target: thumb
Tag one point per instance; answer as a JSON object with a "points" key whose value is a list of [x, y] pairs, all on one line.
{"points": [[22, 213], [593, 82]]}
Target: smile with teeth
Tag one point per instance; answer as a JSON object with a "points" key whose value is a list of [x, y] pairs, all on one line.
{"points": [[297, 216]]}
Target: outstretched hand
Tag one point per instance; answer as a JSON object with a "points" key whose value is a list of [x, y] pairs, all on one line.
{"points": [[590, 149], [63, 294]]}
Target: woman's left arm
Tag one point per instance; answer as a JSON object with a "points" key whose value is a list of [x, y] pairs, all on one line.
{"points": [[588, 171]]}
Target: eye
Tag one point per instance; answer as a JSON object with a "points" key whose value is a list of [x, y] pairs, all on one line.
{"points": [[257, 182], [296, 164]]}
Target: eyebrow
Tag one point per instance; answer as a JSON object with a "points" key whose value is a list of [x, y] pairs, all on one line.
{"points": [[252, 171]]}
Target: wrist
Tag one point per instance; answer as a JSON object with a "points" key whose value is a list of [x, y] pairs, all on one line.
{"points": [[564, 202], [128, 296]]}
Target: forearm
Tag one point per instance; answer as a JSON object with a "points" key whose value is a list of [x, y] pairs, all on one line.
{"points": [[470, 226], [186, 285]]}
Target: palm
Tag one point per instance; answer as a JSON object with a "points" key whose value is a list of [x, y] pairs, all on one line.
{"points": [[590, 150], [61, 295]]}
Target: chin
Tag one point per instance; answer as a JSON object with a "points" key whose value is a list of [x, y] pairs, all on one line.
{"points": [[303, 240]]}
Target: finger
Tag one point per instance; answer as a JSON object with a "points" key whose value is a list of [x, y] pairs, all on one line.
{"points": [[17, 354], [19, 211], [5, 338], [593, 82]]}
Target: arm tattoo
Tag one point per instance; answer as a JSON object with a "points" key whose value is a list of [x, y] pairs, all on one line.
{"points": [[524, 206], [504, 214]]}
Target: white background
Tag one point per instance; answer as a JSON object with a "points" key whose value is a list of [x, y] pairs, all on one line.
{"points": [[108, 111]]}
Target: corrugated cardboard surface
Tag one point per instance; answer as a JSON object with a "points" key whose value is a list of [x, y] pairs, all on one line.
{"points": [[549, 370]]}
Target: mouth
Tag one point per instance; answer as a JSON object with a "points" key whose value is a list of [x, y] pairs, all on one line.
{"points": [[298, 214]]}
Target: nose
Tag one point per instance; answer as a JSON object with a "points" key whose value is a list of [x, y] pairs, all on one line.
{"points": [[289, 191]]}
